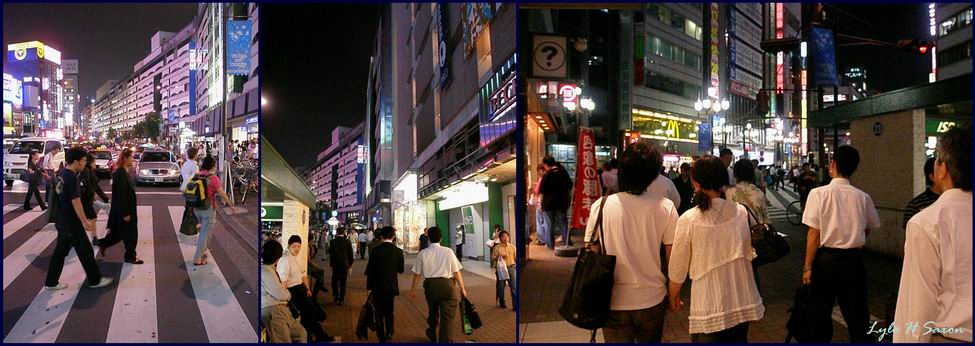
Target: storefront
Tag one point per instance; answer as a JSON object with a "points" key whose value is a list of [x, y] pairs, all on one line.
{"points": [[409, 214], [672, 134], [286, 201]]}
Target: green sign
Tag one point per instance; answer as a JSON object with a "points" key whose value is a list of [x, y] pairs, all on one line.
{"points": [[272, 213], [936, 126]]}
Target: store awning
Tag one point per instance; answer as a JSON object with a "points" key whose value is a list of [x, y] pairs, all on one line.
{"points": [[279, 181], [950, 98]]}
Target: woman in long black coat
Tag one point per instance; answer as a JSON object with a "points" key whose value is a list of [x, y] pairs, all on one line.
{"points": [[38, 176], [89, 189], [122, 222]]}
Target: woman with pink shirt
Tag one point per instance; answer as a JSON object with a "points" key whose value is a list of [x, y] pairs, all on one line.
{"points": [[207, 217]]}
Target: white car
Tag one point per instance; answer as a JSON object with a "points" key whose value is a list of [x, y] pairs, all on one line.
{"points": [[15, 160], [104, 162], [157, 166]]}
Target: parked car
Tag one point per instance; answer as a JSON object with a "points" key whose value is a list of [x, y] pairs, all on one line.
{"points": [[15, 160], [157, 166]]}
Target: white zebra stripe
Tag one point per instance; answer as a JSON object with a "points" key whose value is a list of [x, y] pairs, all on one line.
{"points": [[134, 313], [16, 224], [23, 256]]}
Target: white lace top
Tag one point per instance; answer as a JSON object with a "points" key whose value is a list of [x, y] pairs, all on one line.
{"points": [[714, 249]]}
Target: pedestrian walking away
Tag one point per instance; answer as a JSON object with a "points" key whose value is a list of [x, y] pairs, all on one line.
{"points": [[839, 217], [71, 224], [724, 297], [277, 319], [363, 240], [386, 261], [340, 258], [123, 225], [636, 226], [440, 271]]}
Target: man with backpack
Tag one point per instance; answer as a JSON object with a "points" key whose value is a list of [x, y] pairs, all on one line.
{"points": [[71, 224]]}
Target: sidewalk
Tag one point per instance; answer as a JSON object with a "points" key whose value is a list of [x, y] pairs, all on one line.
{"points": [[410, 326]]}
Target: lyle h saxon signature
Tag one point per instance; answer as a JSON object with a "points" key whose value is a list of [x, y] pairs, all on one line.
{"points": [[913, 328]]}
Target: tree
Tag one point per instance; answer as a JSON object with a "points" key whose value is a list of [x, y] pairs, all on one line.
{"points": [[151, 125], [112, 133]]}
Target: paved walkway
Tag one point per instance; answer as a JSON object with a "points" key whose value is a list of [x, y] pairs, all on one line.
{"points": [[499, 324]]}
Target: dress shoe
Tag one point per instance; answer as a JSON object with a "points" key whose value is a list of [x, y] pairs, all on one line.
{"points": [[135, 261], [43, 207], [26, 208]]}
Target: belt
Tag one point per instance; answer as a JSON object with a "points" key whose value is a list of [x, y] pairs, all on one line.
{"points": [[839, 251], [438, 278]]}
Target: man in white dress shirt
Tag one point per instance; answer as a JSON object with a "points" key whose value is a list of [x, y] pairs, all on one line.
{"points": [[439, 269], [935, 300], [294, 276], [839, 217]]}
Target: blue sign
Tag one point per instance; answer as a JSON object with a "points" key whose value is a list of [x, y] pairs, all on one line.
{"points": [[172, 116], [824, 56], [192, 84], [704, 138], [238, 47]]}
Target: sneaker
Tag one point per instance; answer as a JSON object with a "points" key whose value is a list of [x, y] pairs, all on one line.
{"points": [[102, 283], [58, 287]]}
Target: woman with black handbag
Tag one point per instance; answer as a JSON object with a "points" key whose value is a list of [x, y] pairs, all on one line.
{"points": [[635, 223], [713, 245], [746, 193], [34, 176]]}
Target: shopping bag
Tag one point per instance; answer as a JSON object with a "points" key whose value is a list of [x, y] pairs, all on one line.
{"points": [[502, 269], [586, 302], [188, 227]]}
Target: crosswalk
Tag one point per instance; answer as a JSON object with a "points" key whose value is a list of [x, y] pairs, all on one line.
{"points": [[780, 200], [166, 299]]}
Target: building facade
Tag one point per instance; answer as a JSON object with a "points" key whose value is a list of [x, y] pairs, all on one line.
{"points": [[954, 40], [71, 99], [37, 69], [338, 176]]}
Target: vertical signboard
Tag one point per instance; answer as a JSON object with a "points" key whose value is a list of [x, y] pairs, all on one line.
{"points": [[704, 138], [825, 56], [442, 34], [238, 47], [586, 189], [713, 35], [626, 70]]}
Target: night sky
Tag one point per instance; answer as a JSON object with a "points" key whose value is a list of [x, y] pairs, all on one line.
{"points": [[107, 39], [316, 67], [887, 68]]}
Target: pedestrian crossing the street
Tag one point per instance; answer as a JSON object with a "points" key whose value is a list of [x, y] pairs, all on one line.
{"points": [[166, 299]]}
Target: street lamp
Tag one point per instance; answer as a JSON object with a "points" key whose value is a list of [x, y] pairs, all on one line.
{"points": [[333, 222], [711, 105]]}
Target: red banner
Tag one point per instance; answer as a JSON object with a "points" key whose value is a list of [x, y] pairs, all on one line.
{"points": [[586, 189]]}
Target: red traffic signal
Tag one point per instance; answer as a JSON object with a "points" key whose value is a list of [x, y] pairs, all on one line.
{"points": [[915, 45]]}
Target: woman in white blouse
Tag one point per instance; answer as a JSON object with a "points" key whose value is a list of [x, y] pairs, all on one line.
{"points": [[636, 225], [712, 245]]}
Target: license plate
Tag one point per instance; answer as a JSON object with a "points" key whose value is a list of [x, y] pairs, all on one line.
{"points": [[157, 180]]}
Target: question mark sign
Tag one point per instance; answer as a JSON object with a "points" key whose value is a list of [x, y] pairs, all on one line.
{"points": [[551, 54]]}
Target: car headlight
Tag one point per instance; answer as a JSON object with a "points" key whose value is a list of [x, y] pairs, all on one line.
{"points": [[144, 171]]}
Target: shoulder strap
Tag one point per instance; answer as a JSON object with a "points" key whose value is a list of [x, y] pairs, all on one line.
{"points": [[599, 226], [751, 214]]}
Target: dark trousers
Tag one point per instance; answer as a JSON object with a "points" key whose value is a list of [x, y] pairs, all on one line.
{"points": [[558, 224], [339, 278], [383, 303], [318, 275], [309, 318], [636, 326], [443, 301], [32, 190], [840, 275], [460, 252], [499, 286], [128, 235], [362, 250], [737, 333], [70, 238]]}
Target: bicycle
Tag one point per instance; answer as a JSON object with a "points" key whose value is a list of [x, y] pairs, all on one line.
{"points": [[245, 178], [793, 213]]}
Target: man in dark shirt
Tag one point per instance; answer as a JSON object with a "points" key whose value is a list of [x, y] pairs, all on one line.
{"points": [[71, 224], [340, 258], [926, 198], [555, 191], [424, 240], [807, 181], [684, 188], [382, 280]]}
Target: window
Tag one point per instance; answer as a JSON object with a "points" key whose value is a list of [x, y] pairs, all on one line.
{"points": [[674, 53], [675, 20], [672, 85], [959, 21], [955, 54]]}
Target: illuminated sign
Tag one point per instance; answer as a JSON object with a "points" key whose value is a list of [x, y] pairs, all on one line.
{"points": [[360, 154], [569, 92], [655, 125], [715, 76], [586, 183], [503, 99], [33, 49], [12, 90], [442, 33], [498, 98], [934, 126]]}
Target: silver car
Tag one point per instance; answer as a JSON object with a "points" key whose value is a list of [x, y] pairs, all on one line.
{"points": [[157, 166]]}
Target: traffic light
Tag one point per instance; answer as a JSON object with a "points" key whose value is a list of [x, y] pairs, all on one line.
{"points": [[915, 45]]}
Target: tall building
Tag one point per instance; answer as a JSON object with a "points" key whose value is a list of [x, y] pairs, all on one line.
{"points": [[159, 83], [378, 132], [450, 90], [13, 101], [337, 177], [71, 102], [38, 68], [954, 40]]}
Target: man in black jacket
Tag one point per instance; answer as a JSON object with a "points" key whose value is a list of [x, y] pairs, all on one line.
{"points": [[385, 263], [122, 220], [556, 193], [340, 258]]}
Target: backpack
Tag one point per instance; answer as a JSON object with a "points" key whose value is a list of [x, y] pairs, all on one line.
{"points": [[196, 192]]}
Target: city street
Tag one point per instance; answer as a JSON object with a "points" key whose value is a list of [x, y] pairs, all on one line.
{"points": [[410, 317], [166, 299], [547, 278]]}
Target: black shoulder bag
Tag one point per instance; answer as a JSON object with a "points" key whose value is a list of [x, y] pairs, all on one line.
{"points": [[769, 245], [586, 302]]}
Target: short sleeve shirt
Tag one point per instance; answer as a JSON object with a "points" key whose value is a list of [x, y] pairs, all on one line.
{"points": [[68, 190], [213, 185], [841, 213]]}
